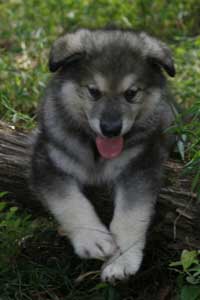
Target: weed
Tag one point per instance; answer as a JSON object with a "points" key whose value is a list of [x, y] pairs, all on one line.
{"points": [[188, 269]]}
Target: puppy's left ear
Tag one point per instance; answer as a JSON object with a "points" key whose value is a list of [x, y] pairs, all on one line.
{"points": [[67, 49], [158, 52]]}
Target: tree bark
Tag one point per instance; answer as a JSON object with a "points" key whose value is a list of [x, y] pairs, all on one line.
{"points": [[177, 212]]}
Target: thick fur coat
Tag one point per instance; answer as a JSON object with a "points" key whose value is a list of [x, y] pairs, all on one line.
{"points": [[104, 119]]}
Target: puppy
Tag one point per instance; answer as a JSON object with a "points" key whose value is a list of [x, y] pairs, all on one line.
{"points": [[103, 120]]}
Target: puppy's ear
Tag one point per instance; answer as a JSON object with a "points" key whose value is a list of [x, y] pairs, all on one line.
{"points": [[158, 53], [67, 49]]}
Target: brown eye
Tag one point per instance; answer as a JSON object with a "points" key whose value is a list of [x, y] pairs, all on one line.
{"points": [[94, 92], [130, 94]]}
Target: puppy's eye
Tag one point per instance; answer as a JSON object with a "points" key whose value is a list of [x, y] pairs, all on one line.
{"points": [[130, 94], [94, 92]]}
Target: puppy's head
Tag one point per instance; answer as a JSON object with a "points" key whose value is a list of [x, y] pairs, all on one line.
{"points": [[110, 79]]}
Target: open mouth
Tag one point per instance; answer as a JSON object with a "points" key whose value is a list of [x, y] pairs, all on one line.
{"points": [[109, 147]]}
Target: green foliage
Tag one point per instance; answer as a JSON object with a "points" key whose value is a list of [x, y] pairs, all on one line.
{"points": [[187, 90], [190, 293], [35, 263], [13, 231], [189, 275]]}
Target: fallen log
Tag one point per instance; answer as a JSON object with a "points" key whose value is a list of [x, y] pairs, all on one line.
{"points": [[177, 213]]}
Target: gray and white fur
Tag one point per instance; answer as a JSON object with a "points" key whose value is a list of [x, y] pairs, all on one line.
{"points": [[104, 77]]}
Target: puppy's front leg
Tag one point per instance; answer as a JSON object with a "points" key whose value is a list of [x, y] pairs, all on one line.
{"points": [[89, 236], [133, 210]]}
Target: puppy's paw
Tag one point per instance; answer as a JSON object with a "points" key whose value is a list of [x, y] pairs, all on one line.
{"points": [[94, 243], [121, 266]]}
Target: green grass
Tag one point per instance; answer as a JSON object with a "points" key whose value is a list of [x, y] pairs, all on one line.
{"points": [[33, 259], [36, 263], [187, 91]]}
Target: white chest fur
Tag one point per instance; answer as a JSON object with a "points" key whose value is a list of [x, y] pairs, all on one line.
{"points": [[93, 172]]}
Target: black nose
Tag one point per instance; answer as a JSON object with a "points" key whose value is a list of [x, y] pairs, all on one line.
{"points": [[111, 128]]}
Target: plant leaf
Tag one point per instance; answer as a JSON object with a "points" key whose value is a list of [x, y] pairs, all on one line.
{"points": [[188, 258], [2, 194], [190, 292]]}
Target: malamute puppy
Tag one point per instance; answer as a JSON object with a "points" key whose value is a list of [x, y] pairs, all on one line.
{"points": [[104, 119]]}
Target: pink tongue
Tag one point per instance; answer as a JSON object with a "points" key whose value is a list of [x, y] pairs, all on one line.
{"points": [[109, 147]]}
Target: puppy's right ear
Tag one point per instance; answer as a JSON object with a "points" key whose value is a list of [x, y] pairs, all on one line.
{"points": [[67, 49]]}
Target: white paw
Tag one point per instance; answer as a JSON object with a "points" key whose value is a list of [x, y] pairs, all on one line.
{"points": [[94, 243], [121, 266]]}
